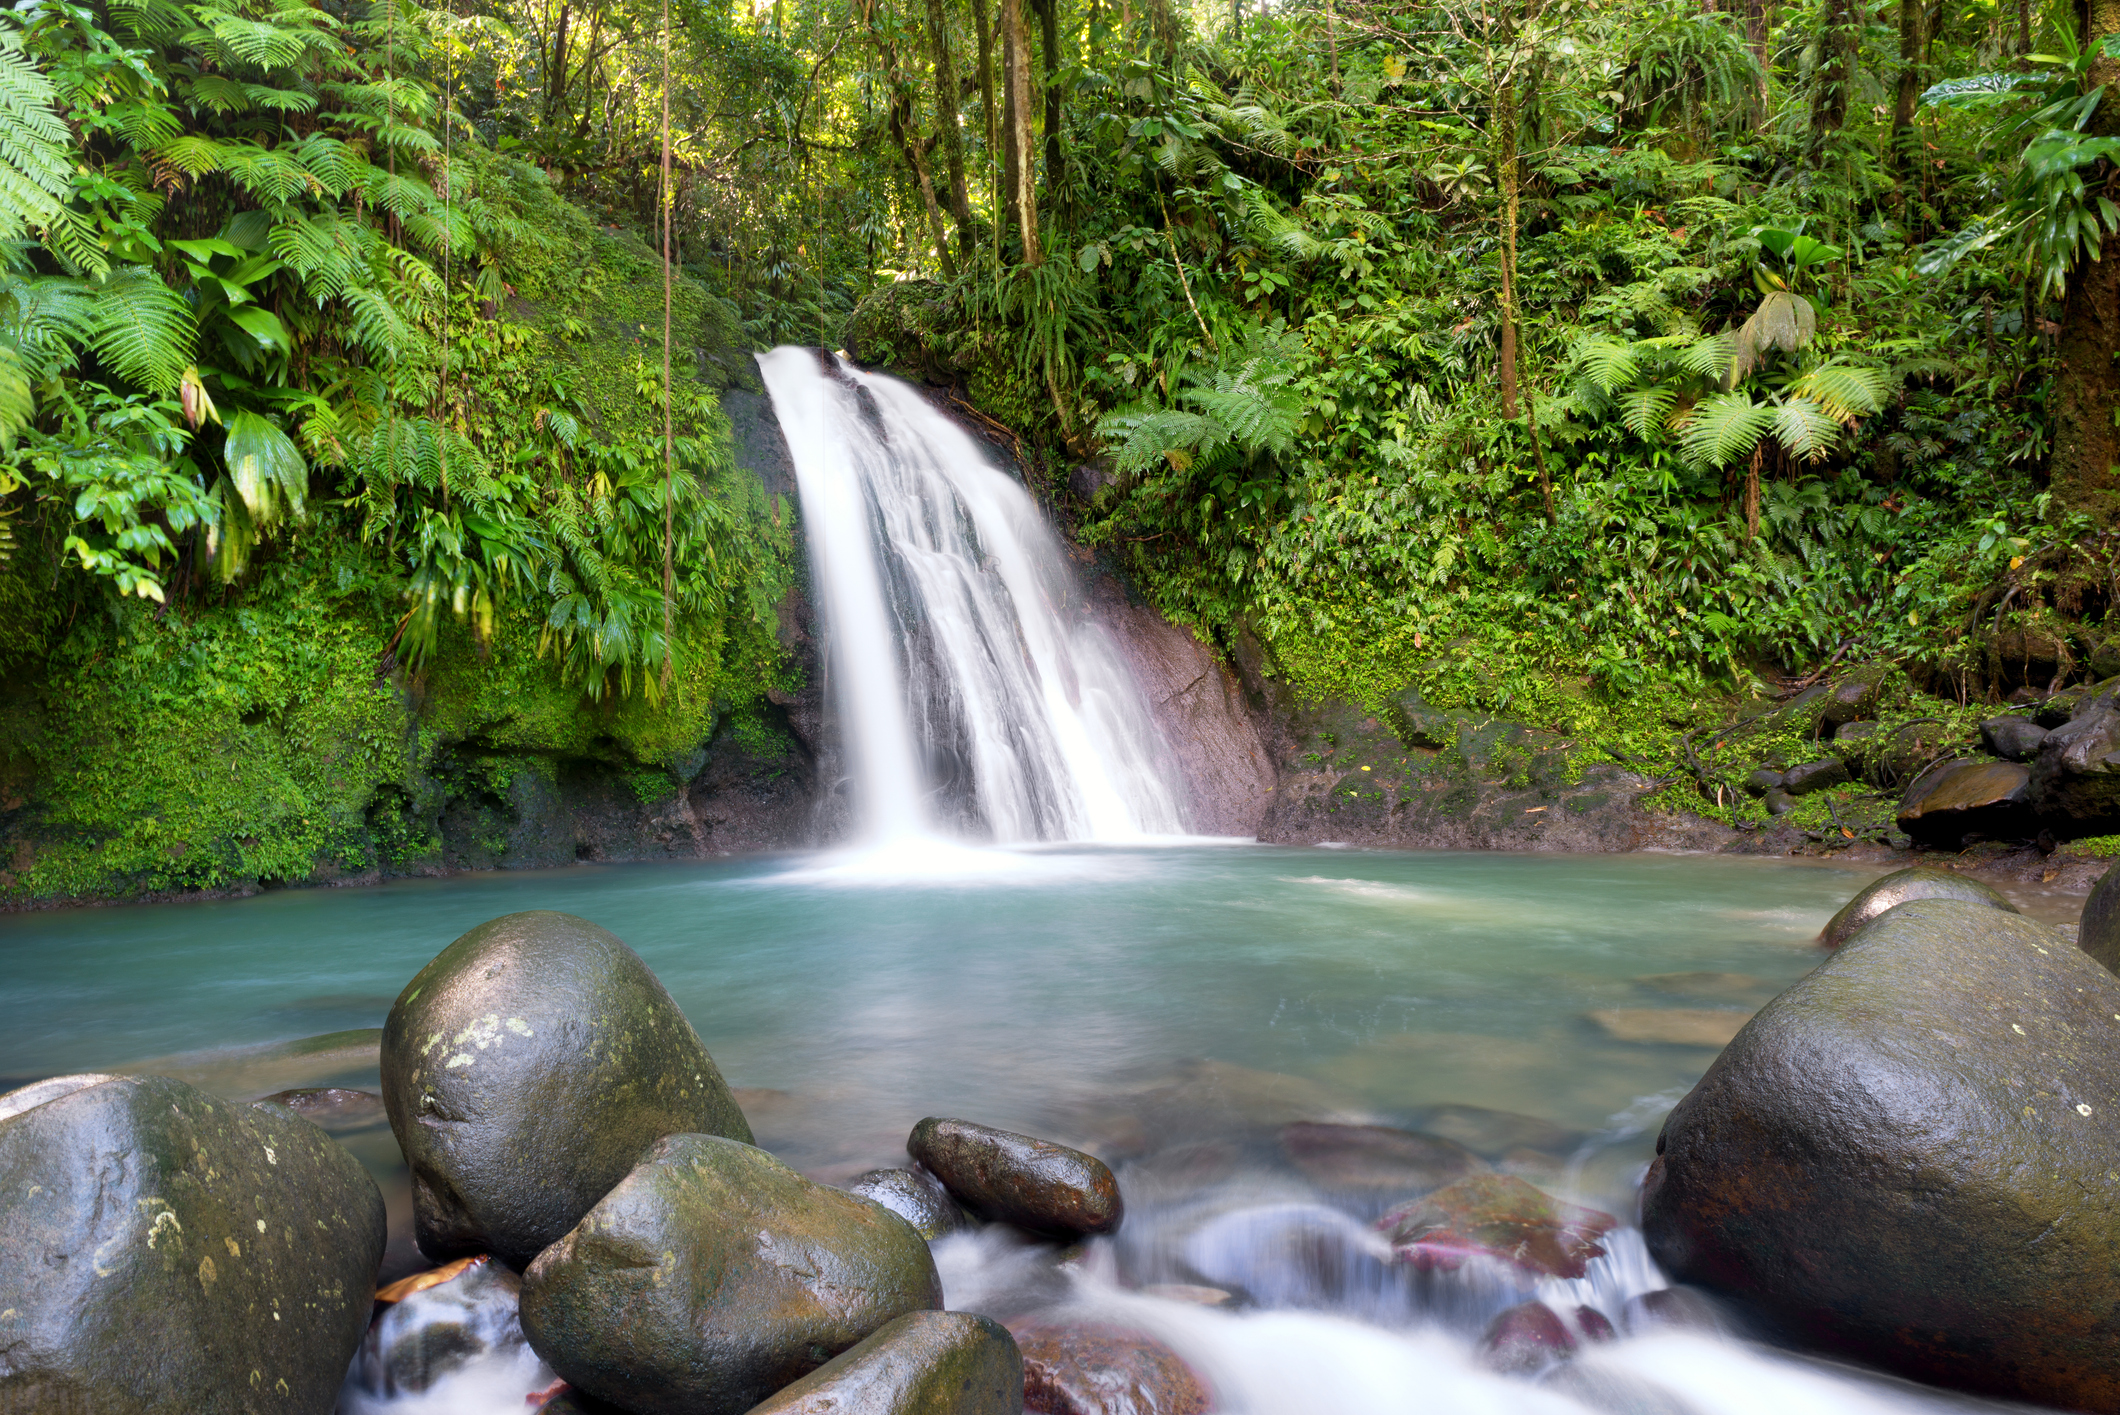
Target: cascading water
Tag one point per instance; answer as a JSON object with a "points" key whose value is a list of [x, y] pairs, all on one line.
{"points": [[973, 703]]}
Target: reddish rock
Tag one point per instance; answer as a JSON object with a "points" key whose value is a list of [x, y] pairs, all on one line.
{"points": [[1532, 1335], [1497, 1216], [1080, 1368]]}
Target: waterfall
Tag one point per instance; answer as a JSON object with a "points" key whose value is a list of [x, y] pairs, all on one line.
{"points": [[977, 699]]}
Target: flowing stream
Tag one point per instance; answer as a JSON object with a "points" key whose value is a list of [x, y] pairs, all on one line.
{"points": [[1084, 973]]}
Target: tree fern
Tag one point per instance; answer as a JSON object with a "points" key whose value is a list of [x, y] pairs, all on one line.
{"points": [[1805, 429], [1724, 429], [36, 166], [1847, 392]]}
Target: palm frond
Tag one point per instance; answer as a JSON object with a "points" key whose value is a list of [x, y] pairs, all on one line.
{"points": [[266, 469], [1783, 321]]}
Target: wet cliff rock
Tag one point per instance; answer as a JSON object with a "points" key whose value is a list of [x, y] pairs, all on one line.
{"points": [[712, 1276], [1907, 1157], [163, 1252], [527, 1069]]}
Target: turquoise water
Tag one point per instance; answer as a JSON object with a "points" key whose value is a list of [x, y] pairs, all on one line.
{"points": [[1039, 989]]}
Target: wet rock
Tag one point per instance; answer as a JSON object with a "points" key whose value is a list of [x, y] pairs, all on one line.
{"points": [[1377, 1157], [1677, 1026], [2099, 933], [1896, 888], [338, 1110], [36, 1093], [1532, 1335], [1814, 776], [915, 1196], [1761, 780], [2014, 739], [1082, 1368], [2075, 779], [1496, 1216], [1190, 1292], [163, 1252], [1954, 799], [1675, 1309], [526, 1070], [1907, 1158], [1011, 1178], [1896, 758], [436, 1324], [924, 1363], [1778, 802], [714, 1275], [1854, 695]]}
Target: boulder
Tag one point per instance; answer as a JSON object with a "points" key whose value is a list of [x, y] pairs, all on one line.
{"points": [[164, 1252], [1500, 1217], [437, 1323], [1954, 799], [339, 1111], [1011, 1178], [1376, 1157], [1802, 780], [2075, 779], [1778, 802], [2099, 933], [1907, 1158], [1897, 757], [1090, 1368], [1854, 695], [1761, 780], [915, 1196], [1895, 889], [923, 1363], [2012, 738], [1852, 739], [526, 1069], [714, 1275]]}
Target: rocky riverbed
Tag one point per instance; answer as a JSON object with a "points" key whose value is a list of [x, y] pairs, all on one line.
{"points": [[1905, 1158]]}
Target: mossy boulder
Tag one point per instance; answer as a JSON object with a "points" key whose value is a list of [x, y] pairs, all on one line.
{"points": [[1909, 1158], [714, 1275], [2099, 932], [1900, 886], [2075, 778], [163, 1252], [527, 1069], [924, 1363]]}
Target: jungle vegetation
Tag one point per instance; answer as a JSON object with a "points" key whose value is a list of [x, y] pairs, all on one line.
{"points": [[1582, 356]]}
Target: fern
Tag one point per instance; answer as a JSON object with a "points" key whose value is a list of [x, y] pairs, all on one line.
{"points": [[36, 166], [142, 328], [1847, 392], [1805, 428], [1608, 364], [1724, 429]]}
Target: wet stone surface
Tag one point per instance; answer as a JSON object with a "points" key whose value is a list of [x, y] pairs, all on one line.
{"points": [[1092, 1368], [1010, 1178]]}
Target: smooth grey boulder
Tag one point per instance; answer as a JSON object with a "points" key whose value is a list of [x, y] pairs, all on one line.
{"points": [[1909, 1158], [714, 1275], [1896, 888], [164, 1252], [526, 1070], [915, 1196], [1777, 801], [2014, 739], [2099, 932], [1010, 1178], [1814, 776], [1761, 780], [924, 1363]]}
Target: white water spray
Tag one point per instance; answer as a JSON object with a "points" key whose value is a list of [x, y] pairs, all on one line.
{"points": [[973, 702]]}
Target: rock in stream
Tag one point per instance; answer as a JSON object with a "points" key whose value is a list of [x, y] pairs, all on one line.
{"points": [[163, 1252], [1033, 1184], [527, 1069], [1911, 1155]]}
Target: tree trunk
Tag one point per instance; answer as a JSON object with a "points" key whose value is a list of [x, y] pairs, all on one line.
{"points": [[1758, 20], [1838, 33], [946, 98], [1048, 12], [1913, 60], [2086, 458], [985, 32], [556, 71], [1163, 32], [905, 132], [1505, 168], [1020, 158]]}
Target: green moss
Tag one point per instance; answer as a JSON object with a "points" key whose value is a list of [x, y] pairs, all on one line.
{"points": [[2101, 847]]}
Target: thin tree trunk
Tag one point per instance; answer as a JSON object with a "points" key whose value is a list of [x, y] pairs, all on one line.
{"points": [[1021, 159], [1838, 34], [985, 32], [1913, 62], [2024, 26], [1236, 21], [1758, 21], [556, 72], [905, 132], [1505, 167], [1048, 12], [946, 100], [2086, 445]]}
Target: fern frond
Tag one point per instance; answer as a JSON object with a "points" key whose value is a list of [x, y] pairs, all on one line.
{"points": [[266, 173], [142, 328], [36, 166], [1847, 392], [1804, 428], [1647, 411], [1709, 358], [1608, 364], [1725, 428]]}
